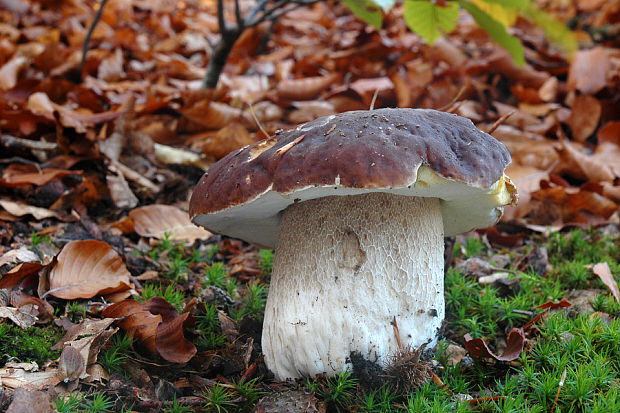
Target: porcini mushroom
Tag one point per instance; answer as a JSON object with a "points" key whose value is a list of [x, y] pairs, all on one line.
{"points": [[356, 206]]}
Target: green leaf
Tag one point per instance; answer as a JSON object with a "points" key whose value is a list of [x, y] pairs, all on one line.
{"points": [[429, 20], [497, 31], [555, 30], [513, 4], [366, 10]]}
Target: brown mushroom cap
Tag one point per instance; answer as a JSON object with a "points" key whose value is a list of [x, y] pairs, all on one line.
{"points": [[351, 153]]}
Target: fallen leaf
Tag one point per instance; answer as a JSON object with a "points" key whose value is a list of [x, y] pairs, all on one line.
{"points": [[26, 273], [87, 268], [9, 72], [87, 338], [603, 272], [584, 117], [18, 175], [556, 205], [15, 378], [17, 256], [304, 88], [19, 209], [136, 321], [579, 165], [219, 144], [157, 326], [19, 299], [170, 342], [71, 364], [28, 401], [158, 220], [514, 346], [23, 317], [588, 71], [563, 303]]}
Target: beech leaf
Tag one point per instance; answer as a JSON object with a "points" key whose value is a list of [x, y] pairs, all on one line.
{"points": [[87, 268], [514, 346], [603, 272], [158, 220]]}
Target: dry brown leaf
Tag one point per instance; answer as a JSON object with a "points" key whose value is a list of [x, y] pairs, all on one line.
{"points": [[563, 303], [367, 88], [26, 273], [20, 174], [17, 256], [514, 346], [23, 317], [19, 299], [304, 88], [19, 209], [40, 104], [71, 364], [549, 90], [136, 321], [556, 205], [584, 117], [28, 401], [157, 326], [610, 132], [215, 115], [603, 272], [87, 268], [588, 71], [227, 139], [111, 68], [15, 378], [581, 166], [158, 220], [9, 72], [527, 180], [87, 338]]}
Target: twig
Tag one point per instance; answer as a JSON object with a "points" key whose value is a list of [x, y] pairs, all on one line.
{"points": [[260, 125], [88, 36], [500, 121], [374, 98], [454, 100], [557, 395]]}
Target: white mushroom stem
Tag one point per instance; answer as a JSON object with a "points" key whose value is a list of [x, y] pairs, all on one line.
{"points": [[344, 267]]}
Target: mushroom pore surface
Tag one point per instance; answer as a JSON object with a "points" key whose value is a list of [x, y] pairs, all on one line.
{"points": [[344, 267]]}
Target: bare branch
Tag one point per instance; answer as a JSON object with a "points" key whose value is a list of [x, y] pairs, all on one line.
{"points": [[240, 22], [297, 4], [259, 8], [88, 36], [220, 17]]}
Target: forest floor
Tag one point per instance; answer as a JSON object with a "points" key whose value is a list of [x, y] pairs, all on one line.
{"points": [[112, 300]]}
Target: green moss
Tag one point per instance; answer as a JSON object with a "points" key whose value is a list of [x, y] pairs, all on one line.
{"points": [[29, 344]]}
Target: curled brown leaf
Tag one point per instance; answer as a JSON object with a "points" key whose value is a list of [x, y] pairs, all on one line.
{"points": [[514, 346]]}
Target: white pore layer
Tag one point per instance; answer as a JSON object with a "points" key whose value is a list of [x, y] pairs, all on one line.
{"points": [[344, 267]]}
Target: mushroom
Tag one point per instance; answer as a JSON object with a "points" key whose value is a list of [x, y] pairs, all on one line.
{"points": [[356, 205]]}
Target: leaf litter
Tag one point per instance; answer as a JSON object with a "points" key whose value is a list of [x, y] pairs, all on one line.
{"points": [[105, 166]]}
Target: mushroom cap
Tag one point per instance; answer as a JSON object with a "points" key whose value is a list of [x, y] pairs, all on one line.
{"points": [[411, 152]]}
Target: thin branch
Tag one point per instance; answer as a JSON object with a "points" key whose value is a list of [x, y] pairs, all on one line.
{"points": [[238, 16], [259, 7], [91, 29], [272, 12], [221, 21]]}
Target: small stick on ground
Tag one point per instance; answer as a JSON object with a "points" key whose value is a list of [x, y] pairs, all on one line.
{"points": [[454, 104], [557, 395], [500, 121]]}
